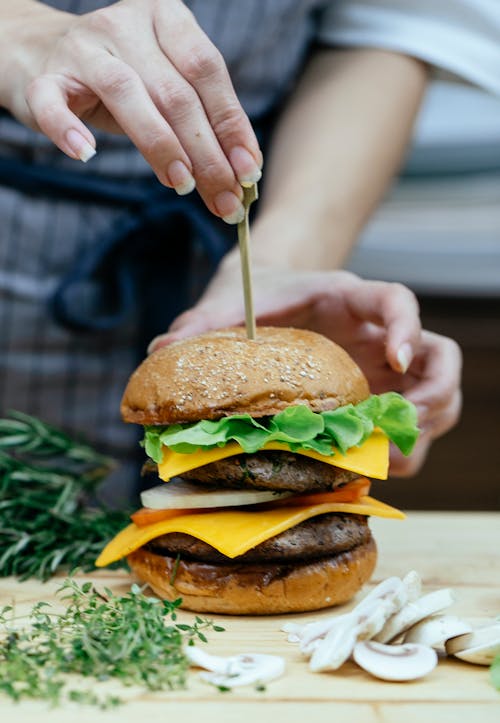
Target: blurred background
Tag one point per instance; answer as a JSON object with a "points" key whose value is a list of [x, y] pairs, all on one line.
{"points": [[439, 232]]}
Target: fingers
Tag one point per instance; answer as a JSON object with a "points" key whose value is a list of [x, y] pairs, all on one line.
{"points": [[148, 70], [199, 62], [179, 104], [48, 104], [121, 90], [190, 323], [188, 83], [401, 466], [197, 320], [186, 77], [442, 420], [437, 396], [431, 428], [440, 359], [394, 307]]}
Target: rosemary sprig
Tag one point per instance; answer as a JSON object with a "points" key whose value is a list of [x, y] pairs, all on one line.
{"points": [[100, 636], [46, 479], [27, 434]]}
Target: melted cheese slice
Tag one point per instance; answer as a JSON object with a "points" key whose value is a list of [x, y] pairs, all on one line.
{"points": [[371, 459], [233, 532]]}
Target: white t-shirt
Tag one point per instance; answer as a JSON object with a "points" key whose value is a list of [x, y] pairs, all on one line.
{"points": [[459, 36]]}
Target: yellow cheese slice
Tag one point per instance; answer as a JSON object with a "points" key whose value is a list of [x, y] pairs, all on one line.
{"points": [[370, 459], [233, 532]]}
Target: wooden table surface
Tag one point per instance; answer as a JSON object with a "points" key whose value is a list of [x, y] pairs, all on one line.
{"points": [[458, 550]]}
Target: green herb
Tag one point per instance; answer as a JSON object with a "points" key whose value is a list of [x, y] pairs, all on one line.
{"points": [[495, 672], [297, 426], [46, 479], [25, 434], [175, 568], [132, 638]]}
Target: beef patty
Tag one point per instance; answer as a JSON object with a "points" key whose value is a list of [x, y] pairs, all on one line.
{"points": [[281, 471], [318, 537]]}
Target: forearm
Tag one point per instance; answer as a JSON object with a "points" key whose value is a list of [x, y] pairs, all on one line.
{"points": [[335, 151]]}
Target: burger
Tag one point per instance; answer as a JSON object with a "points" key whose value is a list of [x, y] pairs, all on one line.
{"points": [[263, 449]]}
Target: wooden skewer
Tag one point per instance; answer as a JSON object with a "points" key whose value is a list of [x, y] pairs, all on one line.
{"points": [[250, 194]]}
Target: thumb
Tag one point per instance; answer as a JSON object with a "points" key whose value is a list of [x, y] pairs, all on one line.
{"points": [[197, 320]]}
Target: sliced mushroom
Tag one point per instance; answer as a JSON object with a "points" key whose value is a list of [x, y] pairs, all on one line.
{"points": [[388, 610], [369, 616], [479, 647], [314, 633], [373, 620], [415, 611], [363, 622], [395, 662], [413, 584], [236, 670], [294, 631], [334, 649], [201, 659], [436, 630], [392, 588]]}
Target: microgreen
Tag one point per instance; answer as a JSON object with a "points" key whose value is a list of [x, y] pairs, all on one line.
{"points": [[46, 479], [100, 636]]}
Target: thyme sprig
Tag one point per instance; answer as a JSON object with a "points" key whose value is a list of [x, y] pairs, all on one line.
{"points": [[46, 479], [133, 638]]}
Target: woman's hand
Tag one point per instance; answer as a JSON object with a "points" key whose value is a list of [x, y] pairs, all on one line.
{"points": [[377, 322], [140, 67]]}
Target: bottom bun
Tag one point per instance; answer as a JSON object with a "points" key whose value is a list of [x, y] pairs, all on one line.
{"points": [[257, 589]]}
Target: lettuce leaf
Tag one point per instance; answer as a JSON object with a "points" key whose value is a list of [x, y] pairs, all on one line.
{"points": [[297, 426], [395, 416]]}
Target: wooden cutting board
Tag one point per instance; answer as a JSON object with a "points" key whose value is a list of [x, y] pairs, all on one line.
{"points": [[458, 550]]}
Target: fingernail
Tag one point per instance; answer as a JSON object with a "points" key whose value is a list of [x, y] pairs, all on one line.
{"points": [[80, 146], [229, 207], [404, 357], [246, 169], [180, 178], [234, 218]]}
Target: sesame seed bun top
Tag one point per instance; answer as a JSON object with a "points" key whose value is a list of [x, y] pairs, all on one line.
{"points": [[221, 373]]}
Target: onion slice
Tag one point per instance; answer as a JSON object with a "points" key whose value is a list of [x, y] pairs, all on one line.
{"points": [[180, 494]]}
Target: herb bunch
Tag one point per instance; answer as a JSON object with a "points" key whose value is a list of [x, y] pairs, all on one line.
{"points": [[46, 479], [102, 636]]}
